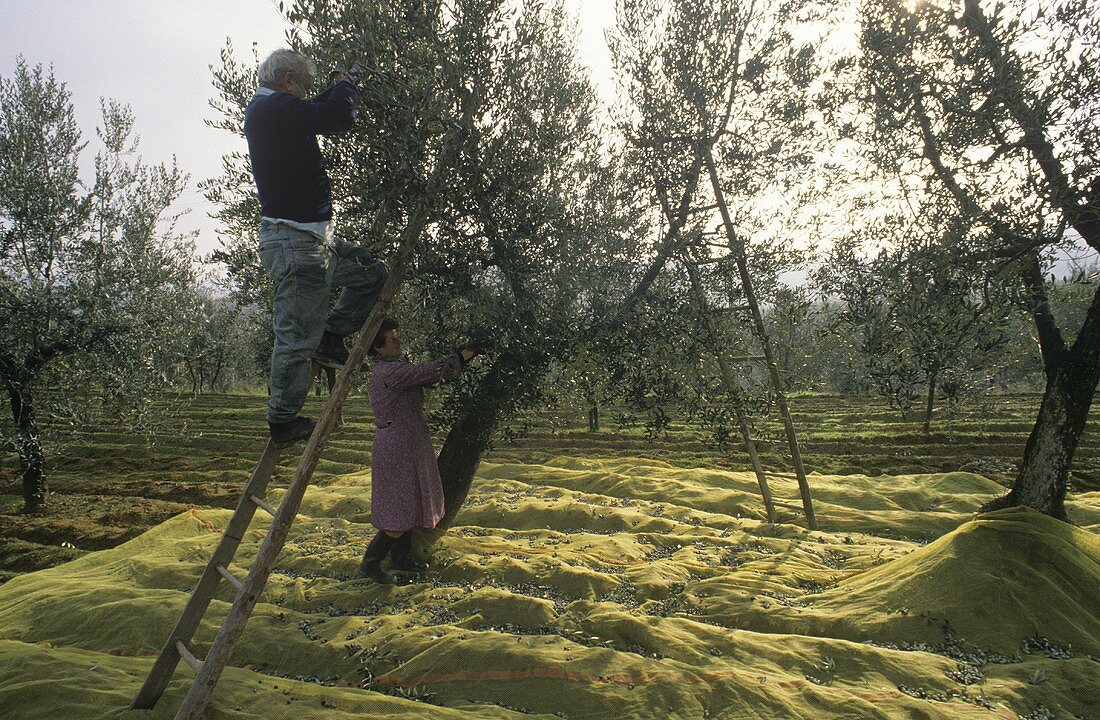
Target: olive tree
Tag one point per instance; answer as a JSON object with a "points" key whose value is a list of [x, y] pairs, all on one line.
{"points": [[92, 281], [920, 312], [862, 323], [995, 104], [526, 226]]}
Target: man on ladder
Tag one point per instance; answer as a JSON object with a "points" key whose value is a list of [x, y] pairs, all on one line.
{"points": [[297, 246]]}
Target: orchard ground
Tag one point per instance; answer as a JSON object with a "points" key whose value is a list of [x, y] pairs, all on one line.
{"points": [[590, 575]]}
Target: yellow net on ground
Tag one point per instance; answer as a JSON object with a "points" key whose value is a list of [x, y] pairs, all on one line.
{"points": [[586, 588]]}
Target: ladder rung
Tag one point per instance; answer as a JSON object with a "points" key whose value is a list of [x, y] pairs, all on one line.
{"points": [[187, 656], [261, 504], [747, 358], [230, 578], [789, 506], [787, 476], [703, 208]]}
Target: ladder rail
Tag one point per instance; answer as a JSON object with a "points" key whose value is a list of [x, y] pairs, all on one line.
{"points": [[165, 665], [723, 362], [734, 392], [737, 247]]}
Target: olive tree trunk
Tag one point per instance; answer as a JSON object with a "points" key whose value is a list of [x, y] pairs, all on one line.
{"points": [[930, 402], [28, 445], [470, 436], [1072, 377]]}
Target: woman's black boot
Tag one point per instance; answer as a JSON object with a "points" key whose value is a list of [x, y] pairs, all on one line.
{"points": [[371, 567], [401, 555]]}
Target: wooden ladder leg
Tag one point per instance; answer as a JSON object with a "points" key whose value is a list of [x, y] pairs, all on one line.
{"points": [[796, 460], [208, 673], [165, 665], [733, 391], [761, 477], [737, 248]]}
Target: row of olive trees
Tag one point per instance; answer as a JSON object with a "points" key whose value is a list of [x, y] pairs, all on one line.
{"points": [[543, 237], [566, 240], [100, 300], [920, 341]]}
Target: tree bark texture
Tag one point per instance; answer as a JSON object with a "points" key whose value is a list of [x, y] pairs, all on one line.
{"points": [[1071, 384], [930, 403], [1052, 346], [32, 461], [469, 437]]}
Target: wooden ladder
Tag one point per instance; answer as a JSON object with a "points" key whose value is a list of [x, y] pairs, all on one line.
{"points": [[208, 670], [729, 381], [752, 307]]}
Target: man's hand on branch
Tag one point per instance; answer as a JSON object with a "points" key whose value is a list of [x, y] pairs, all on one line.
{"points": [[339, 75]]}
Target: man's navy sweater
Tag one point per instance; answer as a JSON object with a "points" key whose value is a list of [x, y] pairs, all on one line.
{"points": [[282, 134]]}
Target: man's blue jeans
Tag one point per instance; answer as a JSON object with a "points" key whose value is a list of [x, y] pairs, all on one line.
{"points": [[304, 270]]}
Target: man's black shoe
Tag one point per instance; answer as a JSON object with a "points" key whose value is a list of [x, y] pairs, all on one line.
{"points": [[331, 352], [285, 434]]}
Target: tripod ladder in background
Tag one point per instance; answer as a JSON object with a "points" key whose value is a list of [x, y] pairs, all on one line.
{"points": [[729, 381], [751, 307]]}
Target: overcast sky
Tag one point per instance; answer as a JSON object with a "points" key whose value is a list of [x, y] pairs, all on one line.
{"points": [[155, 55]]}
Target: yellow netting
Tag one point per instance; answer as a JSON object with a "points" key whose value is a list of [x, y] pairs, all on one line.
{"points": [[600, 589]]}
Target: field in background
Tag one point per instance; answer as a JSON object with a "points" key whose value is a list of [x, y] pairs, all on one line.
{"points": [[109, 487]]}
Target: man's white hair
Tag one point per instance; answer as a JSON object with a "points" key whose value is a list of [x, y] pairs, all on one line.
{"points": [[279, 62]]}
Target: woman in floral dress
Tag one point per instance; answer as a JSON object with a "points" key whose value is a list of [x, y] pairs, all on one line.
{"points": [[406, 491]]}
